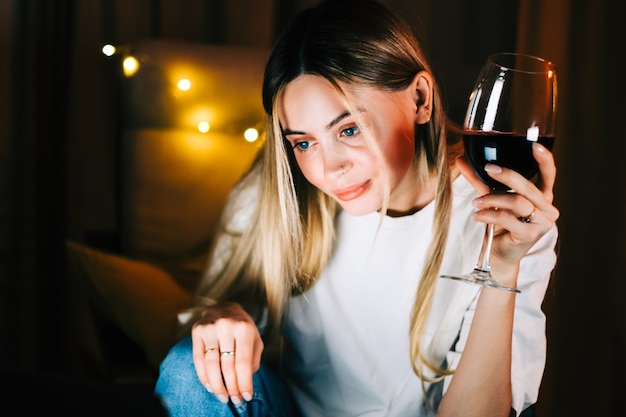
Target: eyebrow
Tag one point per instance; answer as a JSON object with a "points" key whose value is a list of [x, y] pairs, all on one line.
{"points": [[329, 126]]}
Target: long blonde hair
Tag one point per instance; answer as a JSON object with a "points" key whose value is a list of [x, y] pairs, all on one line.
{"points": [[289, 236]]}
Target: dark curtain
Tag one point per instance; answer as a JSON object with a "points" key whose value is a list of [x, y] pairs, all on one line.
{"points": [[34, 212], [58, 154], [586, 312]]}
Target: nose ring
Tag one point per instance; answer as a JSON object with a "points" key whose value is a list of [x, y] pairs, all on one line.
{"points": [[343, 170]]}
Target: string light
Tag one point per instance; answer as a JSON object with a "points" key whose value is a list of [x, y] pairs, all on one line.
{"points": [[109, 50], [251, 134], [184, 84], [204, 127], [130, 66]]}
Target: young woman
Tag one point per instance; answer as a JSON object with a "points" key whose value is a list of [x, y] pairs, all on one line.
{"points": [[322, 296]]}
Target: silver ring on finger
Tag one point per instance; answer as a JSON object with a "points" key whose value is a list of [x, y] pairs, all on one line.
{"points": [[227, 353]]}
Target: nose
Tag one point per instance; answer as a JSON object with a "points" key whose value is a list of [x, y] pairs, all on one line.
{"points": [[336, 162], [341, 170]]}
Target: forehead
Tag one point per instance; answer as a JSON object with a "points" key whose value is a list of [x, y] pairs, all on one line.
{"points": [[312, 99], [309, 87], [307, 99]]}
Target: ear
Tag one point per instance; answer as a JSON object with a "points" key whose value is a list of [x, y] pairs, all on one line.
{"points": [[422, 87]]}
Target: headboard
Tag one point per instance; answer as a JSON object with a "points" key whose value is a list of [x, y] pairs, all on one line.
{"points": [[174, 173], [184, 110]]}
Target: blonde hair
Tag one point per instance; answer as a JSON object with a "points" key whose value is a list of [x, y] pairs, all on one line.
{"points": [[290, 233]]}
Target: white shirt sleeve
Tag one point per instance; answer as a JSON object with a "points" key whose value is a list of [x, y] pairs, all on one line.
{"points": [[529, 324], [235, 217]]}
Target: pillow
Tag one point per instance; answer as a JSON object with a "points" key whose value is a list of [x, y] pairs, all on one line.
{"points": [[142, 299]]}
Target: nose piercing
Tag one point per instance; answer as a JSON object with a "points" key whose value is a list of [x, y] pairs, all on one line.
{"points": [[343, 170]]}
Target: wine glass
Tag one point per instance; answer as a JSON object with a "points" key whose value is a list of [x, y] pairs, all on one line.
{"points": [[512, 105]]}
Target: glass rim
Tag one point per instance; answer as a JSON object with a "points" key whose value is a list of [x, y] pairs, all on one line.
{"points": [[507, 61]]}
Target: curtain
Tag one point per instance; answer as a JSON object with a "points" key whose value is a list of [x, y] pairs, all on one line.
{"points": [[33, 215], [59, 149], [586, 314]]}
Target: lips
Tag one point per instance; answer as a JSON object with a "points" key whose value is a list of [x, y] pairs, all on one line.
{"points": [[350, 193]]}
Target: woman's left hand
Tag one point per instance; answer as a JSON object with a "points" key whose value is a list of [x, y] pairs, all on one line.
{"points": [[521, 217]]}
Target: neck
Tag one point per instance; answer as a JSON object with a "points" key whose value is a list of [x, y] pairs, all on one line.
{"points": [[414, 198]]}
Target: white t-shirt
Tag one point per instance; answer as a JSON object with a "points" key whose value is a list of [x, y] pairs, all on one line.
{"points": [[348, 336]]}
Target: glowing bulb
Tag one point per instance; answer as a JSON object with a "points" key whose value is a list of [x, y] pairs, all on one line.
{"points": [[184, 84], [130, 65], [108, 50], [204, 127], [251, 134]]}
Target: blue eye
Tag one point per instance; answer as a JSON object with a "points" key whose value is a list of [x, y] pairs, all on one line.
{"points": [[350, 131], [303, 145]]}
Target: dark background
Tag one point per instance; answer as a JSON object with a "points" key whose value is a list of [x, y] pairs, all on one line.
{"points": [[59, 124]]}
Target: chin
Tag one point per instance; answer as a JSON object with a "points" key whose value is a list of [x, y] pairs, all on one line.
{"points": [[355, 208]]}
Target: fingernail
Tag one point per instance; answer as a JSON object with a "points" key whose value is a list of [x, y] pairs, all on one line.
{"points": [[247, 396], [494, 169], [223, 398], [540, 147], [208, 387], [477, 201], [235, 399]]}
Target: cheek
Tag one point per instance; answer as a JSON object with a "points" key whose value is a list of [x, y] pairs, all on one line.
{"points": [[399, 155], [397, 141], [313, 172]]}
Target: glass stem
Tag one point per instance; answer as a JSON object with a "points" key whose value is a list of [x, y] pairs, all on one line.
{"points": [[485, 264]]}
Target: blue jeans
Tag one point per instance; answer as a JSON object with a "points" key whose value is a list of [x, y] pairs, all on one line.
{"points": [[183, 395]]}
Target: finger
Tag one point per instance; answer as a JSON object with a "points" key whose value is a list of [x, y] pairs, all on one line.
{"points": [[518, 225], [514, 203], [200, 347], [513, 210], [547, 169], [540, 199], [520, 184], [247, 362], [229, 373], [514, 237], [214, 374], [468, 172]]}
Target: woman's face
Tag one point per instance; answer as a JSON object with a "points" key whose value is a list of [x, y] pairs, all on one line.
{"points": [[332, 150]]}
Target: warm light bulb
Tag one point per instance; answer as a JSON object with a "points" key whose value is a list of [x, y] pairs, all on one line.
{"points": [[251, 134], [131, 66], [108, 50], [204, 127], [184, 84]]}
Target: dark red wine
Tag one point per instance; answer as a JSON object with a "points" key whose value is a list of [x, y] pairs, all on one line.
{"points": [[504, 149]]}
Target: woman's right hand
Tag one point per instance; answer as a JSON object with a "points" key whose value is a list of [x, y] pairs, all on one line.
{"points": [[227, 349]]}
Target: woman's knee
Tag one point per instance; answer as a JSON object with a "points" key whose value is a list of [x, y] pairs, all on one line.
{"points": [[177, 367], [178, 386], [183, 394]]}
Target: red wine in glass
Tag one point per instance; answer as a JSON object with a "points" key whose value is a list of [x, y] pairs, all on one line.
{"points": [[512, 105], [508, 150]]}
